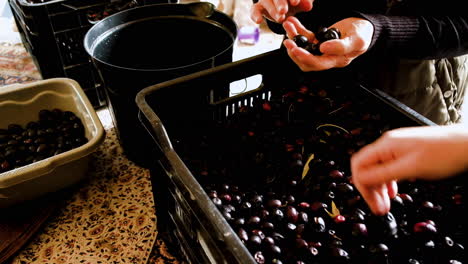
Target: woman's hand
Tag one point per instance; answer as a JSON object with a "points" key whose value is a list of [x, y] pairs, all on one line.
{"points": [[356, 36], [278, 10], [407, 153]]}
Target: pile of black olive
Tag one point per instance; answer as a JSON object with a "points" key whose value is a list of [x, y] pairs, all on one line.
{"points": [[278, 171], [322, 34], [97, 14], [54, 132]]}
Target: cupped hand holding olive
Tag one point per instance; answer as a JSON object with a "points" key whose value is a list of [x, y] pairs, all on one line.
{"points": [[428, 153], [278, 10], [356, 37]]}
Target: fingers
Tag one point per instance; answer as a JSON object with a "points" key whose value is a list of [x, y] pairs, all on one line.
{"points": [[278, 10], [308, 62], [349, 46], [256, 14], [271, 9], [371, 154], [305, 60], [338, 47], [295, 2], [376, 169], [392, 187], [377, 198], [290, 29], [281, 6], [336, 53], [372, 175], [295, 52], [304, 5], [376, 165], [278, 13], [292, 24]]}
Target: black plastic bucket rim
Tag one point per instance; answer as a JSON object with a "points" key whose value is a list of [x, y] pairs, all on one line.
{"points": [[90, 44]]}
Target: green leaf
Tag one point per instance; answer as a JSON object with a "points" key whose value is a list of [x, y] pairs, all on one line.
{"points": [[335, 211], [332, 125], [306, 166]]}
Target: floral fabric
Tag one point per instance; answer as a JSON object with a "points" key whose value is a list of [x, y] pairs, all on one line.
{"points": [[108, 218]]}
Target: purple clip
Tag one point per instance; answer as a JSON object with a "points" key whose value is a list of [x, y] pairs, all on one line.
{"points": [[248, 34]]}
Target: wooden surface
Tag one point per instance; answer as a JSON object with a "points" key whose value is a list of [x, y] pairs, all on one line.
{"points": [[18, 223]]}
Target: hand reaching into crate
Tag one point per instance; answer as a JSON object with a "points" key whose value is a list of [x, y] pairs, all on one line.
{"points": [[429, 153]]}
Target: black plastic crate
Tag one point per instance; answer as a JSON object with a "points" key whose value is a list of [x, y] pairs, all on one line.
{"points": [[186, 212], [53, 33]]}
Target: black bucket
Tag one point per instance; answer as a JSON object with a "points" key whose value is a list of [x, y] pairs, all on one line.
{"points": [[151, 44]]}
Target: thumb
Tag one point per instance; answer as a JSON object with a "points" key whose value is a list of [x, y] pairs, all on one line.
{"points": [[256, 14], [305, 6], [337, 47]]}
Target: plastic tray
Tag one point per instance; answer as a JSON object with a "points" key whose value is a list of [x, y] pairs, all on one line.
{"points": [[193, 222], [20, 104]]}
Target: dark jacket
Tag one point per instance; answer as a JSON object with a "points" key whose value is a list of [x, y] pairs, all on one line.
{"points": [[417, 53], [425, 67]]}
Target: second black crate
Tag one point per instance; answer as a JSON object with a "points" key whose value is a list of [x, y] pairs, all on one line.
{"points": [[212, 148], [53, 33]]}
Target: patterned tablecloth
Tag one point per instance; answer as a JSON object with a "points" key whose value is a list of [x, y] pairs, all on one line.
{"points": [[16, 65], [108, 218]]}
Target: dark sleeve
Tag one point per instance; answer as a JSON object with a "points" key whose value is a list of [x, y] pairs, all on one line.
{"points": [[423, 37]]}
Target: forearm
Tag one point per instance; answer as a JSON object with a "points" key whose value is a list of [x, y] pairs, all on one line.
{"points": [[419, 37]]}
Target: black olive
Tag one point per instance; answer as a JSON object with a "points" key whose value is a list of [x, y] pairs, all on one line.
{"points": [[314, 48], [32, 125], [320, 34], [42, 148], [15, 129], [301, 41], [321, 218], [332, 33], [44, 115], [4, 138], [40, 139]]}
